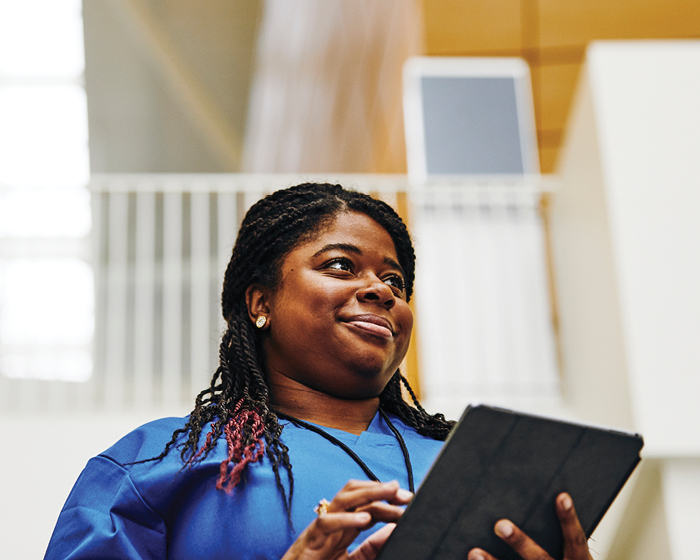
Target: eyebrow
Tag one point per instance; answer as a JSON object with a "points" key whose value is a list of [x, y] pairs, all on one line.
{"points": [[350, 248]]}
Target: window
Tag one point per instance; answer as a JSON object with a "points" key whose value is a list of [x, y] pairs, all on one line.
{"points": [[46, 283]]}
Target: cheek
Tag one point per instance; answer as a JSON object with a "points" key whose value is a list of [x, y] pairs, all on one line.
{"points": [[404, 316], [311, 304]]}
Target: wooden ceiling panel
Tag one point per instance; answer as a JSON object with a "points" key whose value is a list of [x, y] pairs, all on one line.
{"points": [[572, 24], [552, 35], [556, 84], [459, 27], [548, 159]]}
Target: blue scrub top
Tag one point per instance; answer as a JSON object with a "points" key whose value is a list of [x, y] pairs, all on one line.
{"points": [[160, 510]]}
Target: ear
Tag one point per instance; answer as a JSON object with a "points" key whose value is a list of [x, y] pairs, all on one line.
{"points": [[257, 300]]}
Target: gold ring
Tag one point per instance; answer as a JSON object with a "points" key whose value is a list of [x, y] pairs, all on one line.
{"points": [[322, 507]]}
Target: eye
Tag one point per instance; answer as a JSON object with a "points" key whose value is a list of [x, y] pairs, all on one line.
{"points": [[396, 282], [341, 263]]}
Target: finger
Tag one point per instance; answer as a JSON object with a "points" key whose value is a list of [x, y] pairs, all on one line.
{"points": [[356, 497], [353, 484], [519, 541], [370, 547], [381, 511], [332, 522], [402, 496], [479, 554], [346, 525], [575, 541], [355, 492]]}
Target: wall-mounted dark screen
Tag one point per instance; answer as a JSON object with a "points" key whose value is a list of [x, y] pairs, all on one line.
{"points": [[471, 125]]}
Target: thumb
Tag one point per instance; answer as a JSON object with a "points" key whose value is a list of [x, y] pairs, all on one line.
{"points": [[370, 547]]}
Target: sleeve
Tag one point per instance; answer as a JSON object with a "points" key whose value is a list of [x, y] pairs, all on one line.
{"points": [[106, 517]]}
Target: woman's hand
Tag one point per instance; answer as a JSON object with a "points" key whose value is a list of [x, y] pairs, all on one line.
{"points": [[358, 506], [575, 541]]}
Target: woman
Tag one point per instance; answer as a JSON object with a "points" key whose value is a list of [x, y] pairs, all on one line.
{"points": [[307, 397]]}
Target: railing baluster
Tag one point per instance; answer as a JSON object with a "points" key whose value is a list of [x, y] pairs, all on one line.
{"points": [[200, 274], [227, 225], [144, 299], [115, 321], [172, 341]]}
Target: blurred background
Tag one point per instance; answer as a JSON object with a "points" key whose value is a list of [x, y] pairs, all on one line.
{"points": [[134, 134]]}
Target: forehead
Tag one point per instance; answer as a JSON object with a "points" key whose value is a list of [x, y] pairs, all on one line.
{"points": [[352, 228]]}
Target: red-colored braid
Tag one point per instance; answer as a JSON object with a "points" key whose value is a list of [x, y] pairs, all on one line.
{"points": [[238, 454], [201, 450], [207, 442]]}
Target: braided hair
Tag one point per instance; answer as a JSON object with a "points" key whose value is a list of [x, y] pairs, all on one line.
{"points": [[236, 403]]}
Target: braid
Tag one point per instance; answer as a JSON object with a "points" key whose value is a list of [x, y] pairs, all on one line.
{"points": [[391, 400], [235, 405]]}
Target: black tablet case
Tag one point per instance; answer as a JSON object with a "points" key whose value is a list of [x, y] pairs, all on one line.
{"points": [[501, 464]]}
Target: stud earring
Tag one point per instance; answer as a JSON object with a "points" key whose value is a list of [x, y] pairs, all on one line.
{"points": [[261, 321]]}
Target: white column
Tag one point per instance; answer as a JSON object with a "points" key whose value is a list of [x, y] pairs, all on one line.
{"points": [[626, 240]]}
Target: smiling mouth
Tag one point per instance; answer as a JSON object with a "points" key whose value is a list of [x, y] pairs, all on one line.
{"points": [[372, 324]]}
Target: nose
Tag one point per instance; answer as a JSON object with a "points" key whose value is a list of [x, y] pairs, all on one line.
{"points": [[377, 292]]}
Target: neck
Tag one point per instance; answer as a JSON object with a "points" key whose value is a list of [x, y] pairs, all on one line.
{"points": [[294, 399]]}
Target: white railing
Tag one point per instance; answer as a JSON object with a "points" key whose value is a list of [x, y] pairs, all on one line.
{"points": [[162, 242], [483, 299]]}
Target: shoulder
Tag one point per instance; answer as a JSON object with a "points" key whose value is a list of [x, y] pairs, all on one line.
{"points": [[130, 473], [146, 442], [111, 514]]}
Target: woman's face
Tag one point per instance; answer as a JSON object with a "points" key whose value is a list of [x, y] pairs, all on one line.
{"points": [[339, 322]]}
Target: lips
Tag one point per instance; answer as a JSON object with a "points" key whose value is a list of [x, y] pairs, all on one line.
{"points": [[372, 324]]}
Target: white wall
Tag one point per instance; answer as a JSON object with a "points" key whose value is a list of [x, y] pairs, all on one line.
{"points": [[41, 459], [626, 243]]}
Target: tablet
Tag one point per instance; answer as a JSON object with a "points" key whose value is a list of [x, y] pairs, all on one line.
{"points": [[503, 464]]}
